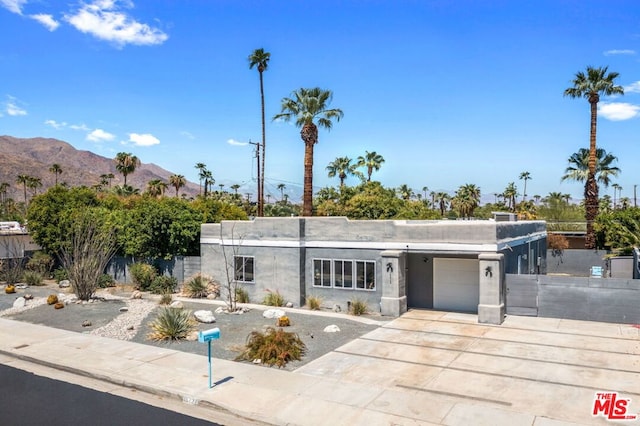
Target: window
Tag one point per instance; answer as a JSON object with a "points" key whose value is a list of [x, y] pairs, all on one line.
{"points": [[243, 267], [340, 274]]}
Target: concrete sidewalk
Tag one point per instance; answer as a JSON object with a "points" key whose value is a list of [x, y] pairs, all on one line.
{"points": [[424, 368]]}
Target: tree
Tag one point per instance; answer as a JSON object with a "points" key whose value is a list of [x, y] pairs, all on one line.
{"points": [[372, 161], [443, 200], [201, 168], [342, 168], [309, 108], [177, 181], [590, 85], [510, 193], [34, 183], [235, 188], [466, 200], [405, 192], [578, 169], [281, 187], [56, 169], [156, 187], [24, 181], [615, 187], [126, 163], [260, 59], [209, 181], [525, 176]]}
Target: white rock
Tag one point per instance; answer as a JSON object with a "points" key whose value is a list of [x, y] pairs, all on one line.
{"points": [[204, 316], [211, 296], [176, 304], [257, 361], [192, 336], [289, 305], [19, 302], [64, 284], [220, 310], [331, 329], [136, 295], [273, 313]]}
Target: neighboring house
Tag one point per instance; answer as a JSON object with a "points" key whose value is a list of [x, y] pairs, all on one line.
{"points": [[390, 264]]}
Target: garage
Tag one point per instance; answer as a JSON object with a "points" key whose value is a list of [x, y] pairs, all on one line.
{"points": [[456, 284]]}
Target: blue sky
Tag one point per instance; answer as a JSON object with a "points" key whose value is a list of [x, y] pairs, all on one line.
{"points": [[449, 92]]}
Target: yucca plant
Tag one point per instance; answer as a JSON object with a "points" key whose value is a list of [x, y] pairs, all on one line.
{"points": [[171, 324], [197, 286], [358, 307], [273, 347]]}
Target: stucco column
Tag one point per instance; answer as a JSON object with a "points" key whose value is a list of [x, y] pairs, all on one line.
{"points": [[491, 309], [394, 289]]}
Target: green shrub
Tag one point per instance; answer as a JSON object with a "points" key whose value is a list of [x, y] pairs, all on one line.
{"points": [[106, 280], [273, 347], [166, 299], [314, 302], [273, 299], [171, 324], [242, 296], [60, 274], [163, 284], [12, 270], [142, 275], [32, 278], [358, 307], [197, 286], [40, 262]]}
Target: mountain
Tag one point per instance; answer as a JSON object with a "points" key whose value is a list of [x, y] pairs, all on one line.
{"points": [[34, 157]]}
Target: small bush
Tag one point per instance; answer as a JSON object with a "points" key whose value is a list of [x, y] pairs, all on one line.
{"points": [[60, 274], [171, 324], [106, 280], [52, 299], [274, 347], [40, 262], [163, 284], [166, 299], [283, 321], [273, 299], [242, 296], [314, 302], [142, 275], [197, 287], [12, 270], [33, 278], [358, 307]]}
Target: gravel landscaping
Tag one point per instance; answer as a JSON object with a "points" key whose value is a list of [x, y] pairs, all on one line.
{"points": [[114, 314]]}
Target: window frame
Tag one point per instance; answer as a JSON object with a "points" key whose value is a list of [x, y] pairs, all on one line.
{"points": [[243, 273], [369, 270]]}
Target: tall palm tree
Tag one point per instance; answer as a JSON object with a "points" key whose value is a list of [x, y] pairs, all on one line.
{"points": [[24, 180], [209, 181], [34, 183], [578, 169], [235, 188], [510, 193], [372, 161], [281, 187], [466, 200], [57, 170], [201, 168], [405, 192], [309, 108], [260, 59], [342, 167], [156, 187], [126, 163], [615, 187], [105, 179], [443, 201], [525, 176], [177, 181], [590, 85]]}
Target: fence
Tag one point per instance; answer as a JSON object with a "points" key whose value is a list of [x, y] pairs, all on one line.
{"points": [[180, 267]]}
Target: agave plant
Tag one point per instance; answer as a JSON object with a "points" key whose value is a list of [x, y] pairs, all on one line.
{"points": [[171, 324]]}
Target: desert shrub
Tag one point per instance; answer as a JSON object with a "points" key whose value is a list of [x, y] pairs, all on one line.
{"points": [[273, 299], [12, 270], [60, 274], [358, 307], [273, 347], [197, 286], [40, 262], [142, 275], [314, 302], [106, 280], [171, 324], [163, 284], [557, 243], [166, 299], [283, 321], [52, 299], [33, 278], [242, 295]]}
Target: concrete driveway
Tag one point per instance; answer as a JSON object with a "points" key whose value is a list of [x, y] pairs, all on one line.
{"points": [[445, 368]]}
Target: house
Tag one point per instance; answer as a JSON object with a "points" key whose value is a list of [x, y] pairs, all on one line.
{"points": [[390, 264]]}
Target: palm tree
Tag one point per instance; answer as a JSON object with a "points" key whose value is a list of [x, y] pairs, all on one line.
{"points": [[209, 181], [372, 161], [4, 186], [525, 176], [405, 192], [578, 169], [177, 181], [260, 59], [105, 179], [34, 183], [156, 187], [55, 168], [309, 108], [510, 193], [235, 188], [590, 85], [201, 168], [126, 164], [615, 187], [424, 191], [342, 167], [281, 187], [24, 180], [466, 200], [443, 200]]}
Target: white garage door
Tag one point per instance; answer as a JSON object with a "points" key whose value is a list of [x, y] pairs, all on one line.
{"points": [[456, 285]]}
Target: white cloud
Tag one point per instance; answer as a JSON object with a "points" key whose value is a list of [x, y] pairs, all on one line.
{"points": [[55, 124], [632, 88], [188, 135], [46, 20], [14, 6], [105, 20], [236, 143], [143, 140], [618, 111], [99, 135], [82, 127], [619, 52], [12, 107]]}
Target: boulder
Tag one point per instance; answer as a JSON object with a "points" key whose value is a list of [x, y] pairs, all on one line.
{"points": [[19, 302], [192, 336], [273, 313], [220, 310], [331, 329], [289, 305], [337, 308], [204, 316], [64, 284], [136, 295], [124, 309], [176, 304], [86, 323]]}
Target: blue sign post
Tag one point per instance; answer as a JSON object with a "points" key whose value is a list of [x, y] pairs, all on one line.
{"points": [[208, 336]]}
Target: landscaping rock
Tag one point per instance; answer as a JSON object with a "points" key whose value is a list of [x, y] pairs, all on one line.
{"points": [[136, 295], [176, 304], [331, 329], [337, 308], [192, 337], [86, 323], [273, 313], [289, 305], [19, 302], [64, 284], [211, 296], [28, 296], [124, 309], [220, 310], [204, 316]]}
